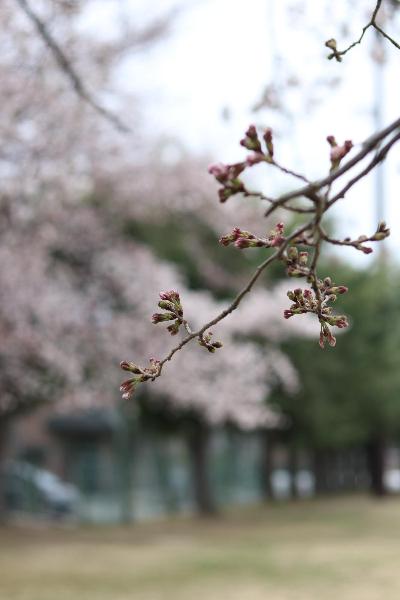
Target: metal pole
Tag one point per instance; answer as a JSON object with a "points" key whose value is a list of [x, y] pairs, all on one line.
{"points": [[378, 113]]}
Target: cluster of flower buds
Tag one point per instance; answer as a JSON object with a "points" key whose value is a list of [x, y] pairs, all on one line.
{"points": [[205, 341], [308, 301], [244, 239], [140, 375], [338, 152], [296, 262], [303, 302], [228, 175], [252, 142], [170, 302]]}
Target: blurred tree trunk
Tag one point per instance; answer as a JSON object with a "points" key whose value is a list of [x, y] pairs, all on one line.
{"points": [[375, 450], [3, 435], [198, 445], [293, 468], [267, 464], [320, 475]]}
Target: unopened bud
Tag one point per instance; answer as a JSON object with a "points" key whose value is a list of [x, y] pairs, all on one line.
{"points": [[130, 366], [217, 344], [331, 44], [254, 159], [303, 258], [166, 305], [332, 340], [127, 388], [251, 141], [307, 294], [268, 141], [338, 289], [160, 317], [220, 172], [294, 272], [174, 328], [366, 249], [321, 340], [172, 296]]}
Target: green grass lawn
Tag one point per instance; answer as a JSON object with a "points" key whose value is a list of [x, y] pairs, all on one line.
{"points": [[347, 549]]}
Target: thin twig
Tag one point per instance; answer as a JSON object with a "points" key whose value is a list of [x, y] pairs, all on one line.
{"points": [[289, 171], [272, 201], [386, 36]]}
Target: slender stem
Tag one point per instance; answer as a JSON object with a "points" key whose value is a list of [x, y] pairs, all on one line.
{"points": [[386, 36]]}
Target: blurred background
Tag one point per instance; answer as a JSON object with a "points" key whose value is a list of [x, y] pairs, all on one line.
{"points": [[111, 112]]}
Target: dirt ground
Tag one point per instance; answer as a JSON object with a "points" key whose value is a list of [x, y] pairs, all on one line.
{"points": [[343, 548]]}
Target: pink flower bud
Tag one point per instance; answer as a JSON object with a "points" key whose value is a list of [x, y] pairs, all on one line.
{"points": [[217, 344], [321, 340], [339, 152], [160, 317], [292, 272], [172, 295], [251, 141], [130, 366], [303, 258], [224, 194], [268, 141], [242, 243], [127, 388], [254, 159], [166, 305], [220, 171], [331, 140], [174, 328]]}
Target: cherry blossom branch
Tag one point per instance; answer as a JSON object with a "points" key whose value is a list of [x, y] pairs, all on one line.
{"points": [[65, 65], [337, 54], [322, 292], [154, 371]]}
